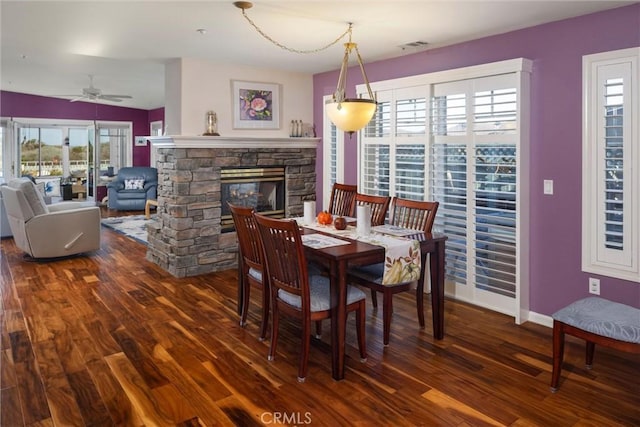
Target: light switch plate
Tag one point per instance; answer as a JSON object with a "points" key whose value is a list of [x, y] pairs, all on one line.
{"points": [[548, 186]]}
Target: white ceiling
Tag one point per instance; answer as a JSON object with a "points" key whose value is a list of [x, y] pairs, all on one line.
{"points": [[50, 47]]}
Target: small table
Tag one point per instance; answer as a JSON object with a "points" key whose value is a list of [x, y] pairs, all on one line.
{"points": [[147, 207], [78, 191]]}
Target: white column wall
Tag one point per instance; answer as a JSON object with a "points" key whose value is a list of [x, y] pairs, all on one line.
{"points": [[193, 87]]}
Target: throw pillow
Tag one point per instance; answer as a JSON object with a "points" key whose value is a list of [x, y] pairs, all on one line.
{"points": [[134, 184]]}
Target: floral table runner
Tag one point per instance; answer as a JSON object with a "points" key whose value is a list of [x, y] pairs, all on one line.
{"points": [[402, 260], [402, 255]]}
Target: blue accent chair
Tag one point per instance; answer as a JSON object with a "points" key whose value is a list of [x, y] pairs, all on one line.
{"points": [[132, 188]]}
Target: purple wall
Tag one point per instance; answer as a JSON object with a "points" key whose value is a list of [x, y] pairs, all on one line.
{"points": [[557, 48], [156, 115], [14, 104]]}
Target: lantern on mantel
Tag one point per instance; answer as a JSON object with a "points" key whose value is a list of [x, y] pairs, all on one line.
{"points": [[211, 124]]}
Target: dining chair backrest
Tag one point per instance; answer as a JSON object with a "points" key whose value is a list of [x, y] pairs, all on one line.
{"points": [[247, 231], [379, 206], [251, 264], [284, 257], [343, 197], [413, 214]]}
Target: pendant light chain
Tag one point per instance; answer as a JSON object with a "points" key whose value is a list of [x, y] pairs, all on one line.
{"points": [[347, 114], [289, 49]]}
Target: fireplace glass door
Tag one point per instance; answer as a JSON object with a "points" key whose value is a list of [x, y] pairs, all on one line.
{"points": [[262, 189]]}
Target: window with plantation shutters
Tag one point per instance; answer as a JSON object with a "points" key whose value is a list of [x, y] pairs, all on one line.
{"points": [[613, 165], [459, 137], [333, 157], [474, 175], [611, 184], [393, 149], [448, 183], [374, 166], [411, 117], [380, 124]]}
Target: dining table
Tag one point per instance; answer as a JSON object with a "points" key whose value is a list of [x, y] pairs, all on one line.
{"points": [[336, 260]]}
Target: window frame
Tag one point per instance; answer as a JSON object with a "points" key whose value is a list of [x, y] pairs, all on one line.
{"points": [[596, 257]]}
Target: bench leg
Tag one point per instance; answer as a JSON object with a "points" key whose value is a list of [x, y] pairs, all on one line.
{"points": [[591, 346], [558, 354]]}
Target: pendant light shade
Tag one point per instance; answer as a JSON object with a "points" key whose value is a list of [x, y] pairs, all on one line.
{"points": [[352, 114]]}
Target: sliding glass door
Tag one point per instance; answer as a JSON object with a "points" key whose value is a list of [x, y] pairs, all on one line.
{"points": [[460, 138], [82, 154]]}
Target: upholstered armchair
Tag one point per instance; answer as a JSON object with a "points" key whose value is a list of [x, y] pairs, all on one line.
{"points": [[132, 188], [49, 231]]}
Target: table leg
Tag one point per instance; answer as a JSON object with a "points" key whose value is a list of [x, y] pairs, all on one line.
{"points": [[338, 321], [420, 289], [437, 290]]}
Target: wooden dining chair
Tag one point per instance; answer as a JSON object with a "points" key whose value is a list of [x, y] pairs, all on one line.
{"points": [[412, 214], [296, 293], [251, 264], [342, 202], [379, 206]]}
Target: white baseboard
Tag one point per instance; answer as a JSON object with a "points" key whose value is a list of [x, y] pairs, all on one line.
{"points": [[540, 319]]}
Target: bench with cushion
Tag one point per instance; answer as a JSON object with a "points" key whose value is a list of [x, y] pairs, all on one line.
{"points": [[597, 321]]}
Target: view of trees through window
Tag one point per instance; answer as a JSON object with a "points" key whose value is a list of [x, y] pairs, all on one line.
{"points": [[40, 151]]}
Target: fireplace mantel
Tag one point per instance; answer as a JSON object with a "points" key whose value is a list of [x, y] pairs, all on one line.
{"points": [[185, 141], [185, 237]]}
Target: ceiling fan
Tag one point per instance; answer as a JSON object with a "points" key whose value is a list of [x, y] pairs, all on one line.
{"points": [[92, 93]]}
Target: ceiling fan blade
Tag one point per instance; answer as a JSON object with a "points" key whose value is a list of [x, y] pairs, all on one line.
{"points": [[93, 93], [116, 96]]}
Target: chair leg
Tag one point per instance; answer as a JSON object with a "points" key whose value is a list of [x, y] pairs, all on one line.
{"points": [[245, 302], [304, 350], [558, 354], [265, 314], [361, 315], [240, 290], [387, 310], [275, 322], [591, 346], [374, 298]]}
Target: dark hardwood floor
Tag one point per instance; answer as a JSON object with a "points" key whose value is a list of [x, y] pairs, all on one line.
{"points": [[111, 339]]}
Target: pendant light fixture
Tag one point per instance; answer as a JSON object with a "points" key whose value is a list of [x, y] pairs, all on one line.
{"points": [[348, 114]]}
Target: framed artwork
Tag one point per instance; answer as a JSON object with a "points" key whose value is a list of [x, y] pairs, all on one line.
{"points": [[255, 105]]}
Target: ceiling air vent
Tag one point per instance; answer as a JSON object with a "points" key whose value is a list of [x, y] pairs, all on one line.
{"points": [[413, 45]]}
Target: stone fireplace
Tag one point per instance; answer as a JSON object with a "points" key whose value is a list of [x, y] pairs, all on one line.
{"points": [[187, 238]]}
